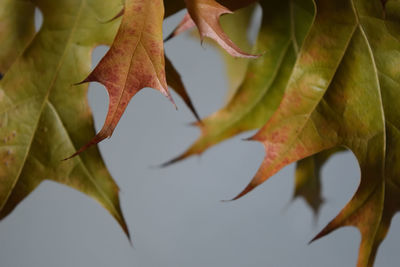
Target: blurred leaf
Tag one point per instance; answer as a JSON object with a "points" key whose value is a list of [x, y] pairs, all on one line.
{"points": [[344, 92], [283, 27], [308, 178]]}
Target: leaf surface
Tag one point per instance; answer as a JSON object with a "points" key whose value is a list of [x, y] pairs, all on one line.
{"points": [[44, 118], [344, 93], [134, 61], [283, 27]]}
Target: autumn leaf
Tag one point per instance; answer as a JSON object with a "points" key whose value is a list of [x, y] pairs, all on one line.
{"points": [[283, 27], [134, 61], [341, 70], [43, 117], [17, 28], [205, 14]]}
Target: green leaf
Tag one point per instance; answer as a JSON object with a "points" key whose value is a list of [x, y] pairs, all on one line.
{"points": [[283, 27], [44, 118], [344, 92]]}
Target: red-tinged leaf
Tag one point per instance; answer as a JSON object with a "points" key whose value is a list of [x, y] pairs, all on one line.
{"points": [[344, 92], [188, 23], [284, 26], [134, 61], [43, 119], [321, 53], [205, 14]]}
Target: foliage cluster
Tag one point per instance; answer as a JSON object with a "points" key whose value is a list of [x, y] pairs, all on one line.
{"points": [[323, 76]]}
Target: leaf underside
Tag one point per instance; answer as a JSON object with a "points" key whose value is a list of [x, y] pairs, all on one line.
{"points": [[336, 89]]}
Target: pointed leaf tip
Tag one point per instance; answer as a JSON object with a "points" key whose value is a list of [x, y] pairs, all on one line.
{"points": [[205, 15], [133, 62]]}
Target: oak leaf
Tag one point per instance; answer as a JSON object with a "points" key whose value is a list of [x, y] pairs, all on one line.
{"points": [[343, 67], [283, 27], [134, 61], [43, 117]]}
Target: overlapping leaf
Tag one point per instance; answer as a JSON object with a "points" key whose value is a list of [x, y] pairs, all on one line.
{"points": [[134, 61], [349, 61], [283, 27], [43, 117], [237, 26]]}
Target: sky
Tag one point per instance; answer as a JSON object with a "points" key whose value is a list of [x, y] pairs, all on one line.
{"points": [[175, 214]]}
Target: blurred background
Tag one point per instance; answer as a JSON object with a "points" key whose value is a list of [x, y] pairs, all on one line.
{"points": [[175, 214]]}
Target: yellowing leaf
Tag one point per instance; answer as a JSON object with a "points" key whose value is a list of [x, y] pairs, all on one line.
{"points": [[134, 61], [44, 118], [266, 78], [344, 92], [320, 55]]}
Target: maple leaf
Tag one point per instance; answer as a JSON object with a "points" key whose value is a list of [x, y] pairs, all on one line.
{"points": [[283, 27], [134, 61], [344, 65], [17, 28], [43, 118]]}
